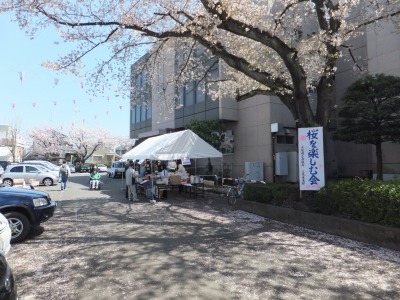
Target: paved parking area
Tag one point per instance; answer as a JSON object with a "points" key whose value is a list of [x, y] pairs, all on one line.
{"points": [[100, 246]]}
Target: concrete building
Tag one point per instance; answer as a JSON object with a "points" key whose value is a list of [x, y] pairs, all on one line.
{"points": [[261, 129]]}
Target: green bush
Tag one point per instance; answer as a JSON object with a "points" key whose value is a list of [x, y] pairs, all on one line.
{"points": [[364, 200], [274, 194], [258, 193]]}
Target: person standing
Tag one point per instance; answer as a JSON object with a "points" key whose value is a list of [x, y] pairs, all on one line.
{"points": [[64, 174], [163, 173], [130, 176], [126, 168]]}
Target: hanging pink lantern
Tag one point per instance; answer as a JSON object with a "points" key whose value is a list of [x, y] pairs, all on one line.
{"points": [[21, 76]]}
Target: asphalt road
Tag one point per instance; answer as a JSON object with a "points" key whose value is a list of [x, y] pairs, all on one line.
{"points": [[100, 246]]}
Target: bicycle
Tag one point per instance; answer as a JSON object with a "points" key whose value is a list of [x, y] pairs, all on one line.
{"points": [[236, 192]]}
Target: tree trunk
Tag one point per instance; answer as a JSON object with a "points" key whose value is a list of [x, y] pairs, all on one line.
{"points": [[379, 165]]}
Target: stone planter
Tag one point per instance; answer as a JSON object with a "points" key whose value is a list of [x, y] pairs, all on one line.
{"points": [[387, 237]]}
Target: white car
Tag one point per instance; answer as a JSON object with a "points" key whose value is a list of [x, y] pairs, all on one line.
{"points": [[102, 168], [28, 172], [72, 168], [5, 235], [44, 163], [117, 169]]}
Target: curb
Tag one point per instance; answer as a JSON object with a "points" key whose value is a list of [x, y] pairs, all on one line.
{"points": [[387, 237]]}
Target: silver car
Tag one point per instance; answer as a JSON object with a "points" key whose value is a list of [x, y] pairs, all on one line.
{"points": [[28, 172], [72, 168]]}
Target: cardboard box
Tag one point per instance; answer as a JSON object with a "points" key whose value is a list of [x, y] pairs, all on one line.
{"points": [[175, 179]]}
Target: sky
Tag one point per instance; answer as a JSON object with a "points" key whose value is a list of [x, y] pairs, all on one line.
{"points": [[32, 96]]}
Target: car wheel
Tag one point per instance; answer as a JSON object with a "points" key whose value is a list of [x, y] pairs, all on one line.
{"points": [[20, 226], [8, 182], [48, 182]]}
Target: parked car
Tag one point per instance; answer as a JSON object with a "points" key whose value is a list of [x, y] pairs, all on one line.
{"points": [[24, 210], [8, 289], [117, 169], [43, 168], [85, 168], [28, 172], [102, 168], [4, 163], [72, 168], [43, 163], [5, 235]]}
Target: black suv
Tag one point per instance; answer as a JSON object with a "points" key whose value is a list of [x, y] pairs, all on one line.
{"points": [[25, 209]]}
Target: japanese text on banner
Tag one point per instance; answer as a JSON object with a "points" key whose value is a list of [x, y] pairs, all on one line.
{"points": [[311, 158]]}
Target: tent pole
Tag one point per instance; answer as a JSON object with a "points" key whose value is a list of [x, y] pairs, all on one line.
{"points": [[122, 184], [222, 168], [151, 180]]}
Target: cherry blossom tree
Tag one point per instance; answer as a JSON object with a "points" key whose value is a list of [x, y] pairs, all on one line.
{"points": [[82, 142], [47, 141], [85, 141], [282, 47], [125, 143]]}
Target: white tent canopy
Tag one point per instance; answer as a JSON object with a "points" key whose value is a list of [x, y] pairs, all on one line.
{"points": [[173, 146]]}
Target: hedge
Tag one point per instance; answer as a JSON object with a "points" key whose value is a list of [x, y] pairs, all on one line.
{"points": [[364, 200]]}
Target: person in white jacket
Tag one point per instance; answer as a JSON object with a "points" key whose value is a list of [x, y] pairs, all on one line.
{"points": [[130, 176]]}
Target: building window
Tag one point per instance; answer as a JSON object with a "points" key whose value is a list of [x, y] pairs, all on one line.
{"points": [[137, 112], [143, 114], [200, 95], [180, 96], [189, 93], [285, 139], [211, 84], [133, 115]]}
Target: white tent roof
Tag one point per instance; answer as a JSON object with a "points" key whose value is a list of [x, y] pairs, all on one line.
{"points": [[172, 146]]}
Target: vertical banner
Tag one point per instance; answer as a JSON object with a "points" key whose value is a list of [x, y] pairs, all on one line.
{"points": [[311, 159]]}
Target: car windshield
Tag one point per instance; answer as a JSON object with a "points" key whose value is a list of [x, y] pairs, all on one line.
{"points": [[118, 165], [41, 168]]}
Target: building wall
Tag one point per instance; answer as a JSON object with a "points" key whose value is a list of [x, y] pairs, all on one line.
{"points": [[380, 51], [251, 120]]}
